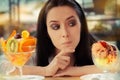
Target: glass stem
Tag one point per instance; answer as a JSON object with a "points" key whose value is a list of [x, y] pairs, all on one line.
{"points": [[20, 70]]}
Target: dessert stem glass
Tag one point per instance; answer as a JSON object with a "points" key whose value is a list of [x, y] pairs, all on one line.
{"points": [[18, 59], [108, 67]]}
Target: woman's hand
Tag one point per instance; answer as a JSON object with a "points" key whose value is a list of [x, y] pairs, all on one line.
{"points": [[65, 72], [60, 62], [78, 71], [70, 71]]}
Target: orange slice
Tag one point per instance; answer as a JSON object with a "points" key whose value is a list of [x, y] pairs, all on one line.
{"points": [[3, 44], [26, 44], [12, 34], [25, 34]]}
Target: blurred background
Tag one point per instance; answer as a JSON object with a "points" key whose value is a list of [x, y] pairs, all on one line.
{"points": [[103, 17]]}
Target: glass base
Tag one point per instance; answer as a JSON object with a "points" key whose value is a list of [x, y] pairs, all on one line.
{"points": [[23, 77], [100, 76]]}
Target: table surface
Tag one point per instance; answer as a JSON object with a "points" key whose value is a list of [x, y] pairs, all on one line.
{"points": [[46, 78], [62, 78]]}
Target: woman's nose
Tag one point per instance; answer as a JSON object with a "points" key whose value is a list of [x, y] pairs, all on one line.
{"points": [[65, 33]]}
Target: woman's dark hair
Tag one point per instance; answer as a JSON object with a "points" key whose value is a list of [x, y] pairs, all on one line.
{"points": [[45, 47]]}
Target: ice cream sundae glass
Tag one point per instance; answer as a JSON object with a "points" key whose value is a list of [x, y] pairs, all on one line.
{"points": [[106, 57]]}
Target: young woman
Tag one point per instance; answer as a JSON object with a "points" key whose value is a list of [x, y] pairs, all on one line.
{"points": [[63, 41]]}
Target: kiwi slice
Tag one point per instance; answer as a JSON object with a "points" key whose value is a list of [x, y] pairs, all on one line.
{"points": [[12, 45]]}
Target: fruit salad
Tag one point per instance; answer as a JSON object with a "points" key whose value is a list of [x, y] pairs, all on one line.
{"points": [[104, 54], [19, 47]]}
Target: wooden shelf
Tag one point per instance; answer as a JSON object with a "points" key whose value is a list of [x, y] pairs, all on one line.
{"points": [[102, 18]]}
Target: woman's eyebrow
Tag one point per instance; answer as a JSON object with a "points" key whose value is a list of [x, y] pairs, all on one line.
{"points": [[66, 19], [53, 21], [69, 17]]}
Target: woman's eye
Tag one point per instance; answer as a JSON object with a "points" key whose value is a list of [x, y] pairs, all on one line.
{"points": [[55, 26], [72, 23]]}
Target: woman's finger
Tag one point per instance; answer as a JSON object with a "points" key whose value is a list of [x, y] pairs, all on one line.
{"points": [[66, 51]]}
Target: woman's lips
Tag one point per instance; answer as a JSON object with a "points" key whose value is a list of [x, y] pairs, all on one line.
{"points": [[68, 43]]}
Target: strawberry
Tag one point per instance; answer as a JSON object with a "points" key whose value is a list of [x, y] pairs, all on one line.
{"points": [[104, 44], [114, 48]]}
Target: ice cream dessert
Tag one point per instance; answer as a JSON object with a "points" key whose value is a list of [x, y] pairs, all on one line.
{"points": [[104, 55]]}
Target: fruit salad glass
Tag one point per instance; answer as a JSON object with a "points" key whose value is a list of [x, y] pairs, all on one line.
{"points": [[18, 48]]}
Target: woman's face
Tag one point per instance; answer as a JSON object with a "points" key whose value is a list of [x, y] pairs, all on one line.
{"points": [[64, 27]]}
